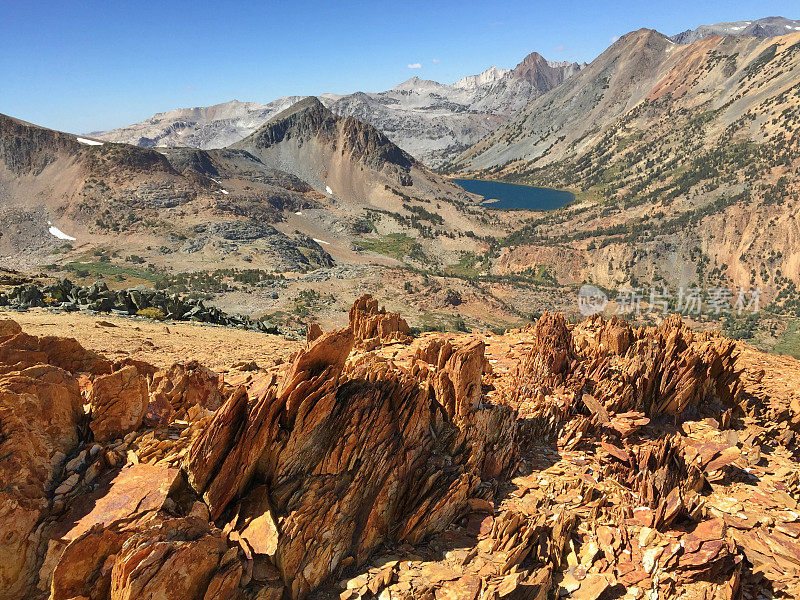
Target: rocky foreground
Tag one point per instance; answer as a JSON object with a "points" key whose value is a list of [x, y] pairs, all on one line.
{"points": [[588, 461]]}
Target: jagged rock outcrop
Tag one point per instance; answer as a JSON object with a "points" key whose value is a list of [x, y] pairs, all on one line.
{"points": [[610, 369], [355, 456], [173, 559], [455, 373], [372, 325], [406, 469]]}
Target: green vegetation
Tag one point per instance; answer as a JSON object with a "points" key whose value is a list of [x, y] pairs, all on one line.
{"points": [[431, 321], [151, 312], [219, 280], [396, 245], [103, 268], [470, 266], [311, 301], [740, 327], [420, 214], [789, 343]]}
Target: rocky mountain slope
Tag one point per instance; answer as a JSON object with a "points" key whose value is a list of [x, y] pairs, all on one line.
{"points": [[309, 190], [349, 160], [760, 28], [684, 157], [429, 120], [376, 464], [61, 192]]}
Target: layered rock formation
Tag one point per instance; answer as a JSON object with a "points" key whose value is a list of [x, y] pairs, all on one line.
{"points": [[364, 460], [570, 459]]}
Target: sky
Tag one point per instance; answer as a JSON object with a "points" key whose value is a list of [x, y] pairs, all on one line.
{"points": [[83, 66]]}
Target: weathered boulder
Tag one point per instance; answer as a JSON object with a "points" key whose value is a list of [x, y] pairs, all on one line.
{"points": [[118, 403], [8, 328], [22, 350], [617, 336]]}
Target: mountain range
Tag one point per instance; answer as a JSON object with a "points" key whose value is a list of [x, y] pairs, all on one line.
{"points": [[682, 158], [431, 121], [759, 28]]}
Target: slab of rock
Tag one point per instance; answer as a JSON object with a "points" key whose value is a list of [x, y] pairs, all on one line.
{"points": [[187, 384], [119, 401]]}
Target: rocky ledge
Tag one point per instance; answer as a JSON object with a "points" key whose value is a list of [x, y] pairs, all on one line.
{"points": [[586, 461]]}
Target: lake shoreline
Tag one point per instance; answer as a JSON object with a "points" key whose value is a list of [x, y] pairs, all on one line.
{"points": [[500, 195]]}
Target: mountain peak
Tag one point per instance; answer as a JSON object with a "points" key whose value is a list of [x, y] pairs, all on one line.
{"points": [[489, 76]]}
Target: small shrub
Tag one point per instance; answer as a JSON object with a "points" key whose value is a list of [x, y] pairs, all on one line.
{"points": [[151, 312]]}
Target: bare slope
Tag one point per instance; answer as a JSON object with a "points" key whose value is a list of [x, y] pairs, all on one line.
{"points": [[349, 160]]}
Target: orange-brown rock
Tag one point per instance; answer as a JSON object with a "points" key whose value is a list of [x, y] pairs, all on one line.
{"points": [[8, 328], [21, 350], [664, 370], [456, 375], [176, 559], [119, 401], [650, 459], [40, 409], [353, 457], [187, 384], [372, 325], [84, 542], [313, 331]]}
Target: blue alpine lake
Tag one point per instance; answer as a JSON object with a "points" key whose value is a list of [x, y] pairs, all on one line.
{"points": [[509, 196]]}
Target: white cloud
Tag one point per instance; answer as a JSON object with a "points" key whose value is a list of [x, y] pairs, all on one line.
{"points": [[614, 39], [436, 60], [415, 66], [560, 48]]}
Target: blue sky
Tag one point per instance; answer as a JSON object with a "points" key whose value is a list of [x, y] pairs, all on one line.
{"points": [[81, 66]]}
